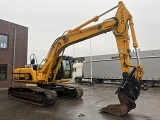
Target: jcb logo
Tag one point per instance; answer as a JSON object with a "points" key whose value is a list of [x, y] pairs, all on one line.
{"points": [[120, 50], [122, 16]]}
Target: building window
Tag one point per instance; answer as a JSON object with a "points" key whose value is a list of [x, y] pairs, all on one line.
{"points": [[3, 41], [3, 71]]}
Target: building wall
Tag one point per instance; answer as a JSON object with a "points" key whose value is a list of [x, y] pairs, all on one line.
{"points": [[7, 55], [133, 54]]}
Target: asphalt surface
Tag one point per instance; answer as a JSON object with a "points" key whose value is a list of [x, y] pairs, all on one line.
{"points": [[87, 108]]}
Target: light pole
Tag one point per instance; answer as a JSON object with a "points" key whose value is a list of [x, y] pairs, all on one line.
{"points": [[91, 58]]}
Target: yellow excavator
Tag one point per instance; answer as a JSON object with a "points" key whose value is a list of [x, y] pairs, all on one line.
{"points": [[57, 68]]}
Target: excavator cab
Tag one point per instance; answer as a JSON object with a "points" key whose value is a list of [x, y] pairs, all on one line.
{"points": [[65, 68]]}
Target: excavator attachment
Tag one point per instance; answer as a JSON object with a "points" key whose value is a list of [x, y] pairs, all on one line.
{"points": [[128, 92], [118, 109]]}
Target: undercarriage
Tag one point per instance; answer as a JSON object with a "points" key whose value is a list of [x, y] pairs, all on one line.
{"points": [[44, 95]]}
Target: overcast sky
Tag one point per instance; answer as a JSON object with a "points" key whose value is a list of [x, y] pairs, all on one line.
{"points": [[48, 19]]}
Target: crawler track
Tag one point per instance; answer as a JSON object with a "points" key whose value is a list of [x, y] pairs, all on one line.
{"points": [[44, 95], [33, 95], [66, 90]]}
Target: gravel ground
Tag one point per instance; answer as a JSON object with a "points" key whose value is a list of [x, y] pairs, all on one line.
{"points": [[87, 108]]}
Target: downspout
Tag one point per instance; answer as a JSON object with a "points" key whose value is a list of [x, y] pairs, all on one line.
{"points": [[14, 53]]}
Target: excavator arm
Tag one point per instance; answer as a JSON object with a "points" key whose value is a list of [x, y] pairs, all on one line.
{"points": [[119, 25]]}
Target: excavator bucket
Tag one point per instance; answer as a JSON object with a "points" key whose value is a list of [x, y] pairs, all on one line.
{"points": [[128, 92], [119, 109]]}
